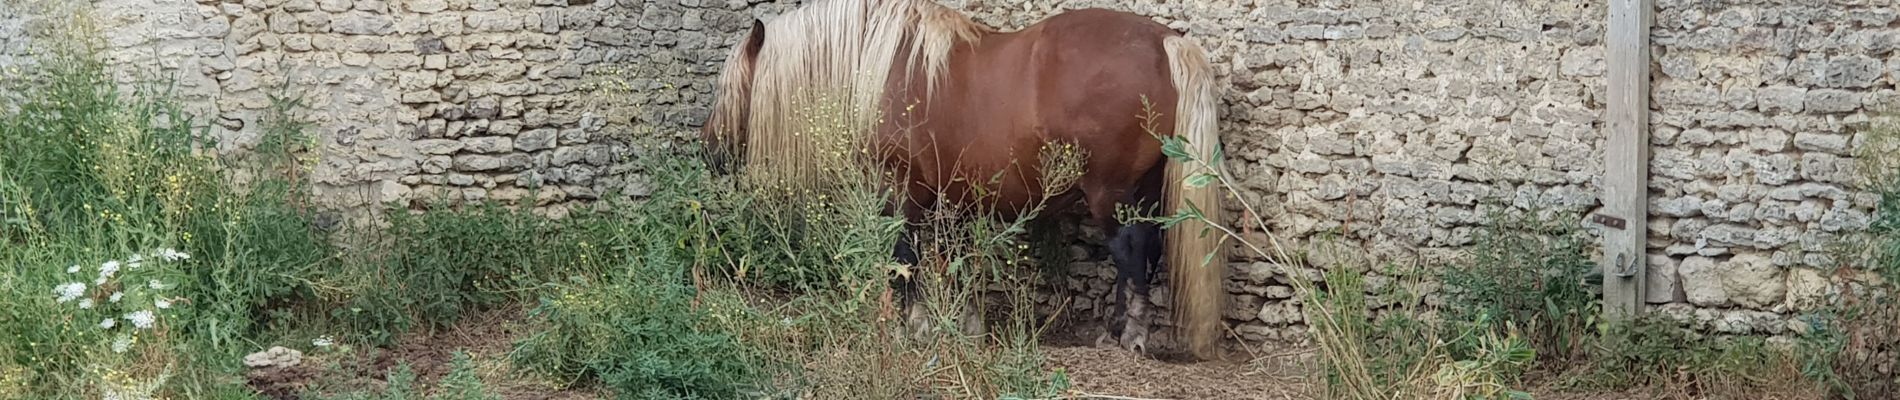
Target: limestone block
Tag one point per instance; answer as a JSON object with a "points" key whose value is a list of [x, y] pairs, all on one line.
{"points": [[1280, 314], [1844, 219], [480, 163], [299, 5], [535, 140], [1853, 71], [1832, 101], [1243, 308], [391, 191], [427, 6], [1685, 206], [1664, 281], [1809, 289], [362, 23], [1822, 142], [283, 22], [505, 127], [487, 144], [1702, 282], [334, 5], [1585, 61], [1751, 280]]}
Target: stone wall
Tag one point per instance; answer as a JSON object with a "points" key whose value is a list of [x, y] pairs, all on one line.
{"points": [[1394, 127], [418, 100], [1757, 107]]}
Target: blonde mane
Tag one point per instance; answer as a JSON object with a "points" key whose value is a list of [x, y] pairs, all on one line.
{"points": [[818, 81]]}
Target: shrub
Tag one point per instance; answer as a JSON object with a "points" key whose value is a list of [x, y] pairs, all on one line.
{"points": [[461, 382], [446, 262], [1398, 356], [1530, 269], [1681, 363], [633, 326]]}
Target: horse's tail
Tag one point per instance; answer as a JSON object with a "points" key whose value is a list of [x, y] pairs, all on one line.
{"points": [[1193, 248]]}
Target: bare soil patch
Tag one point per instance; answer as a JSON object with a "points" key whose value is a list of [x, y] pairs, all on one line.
{"points": [[486, 337], [1261, 373]]}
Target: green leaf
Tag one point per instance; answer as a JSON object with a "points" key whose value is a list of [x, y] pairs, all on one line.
{"points": [[1201, 180], [1184, 214], [1175, 148]]}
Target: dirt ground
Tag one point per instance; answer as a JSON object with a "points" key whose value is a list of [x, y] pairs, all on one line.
{"points": [[486, 337], [1113, 372], [1256, 373], [1249, 373]]}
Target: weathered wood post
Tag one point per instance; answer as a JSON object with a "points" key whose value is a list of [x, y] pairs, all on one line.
{"points": [[1625, 213]]}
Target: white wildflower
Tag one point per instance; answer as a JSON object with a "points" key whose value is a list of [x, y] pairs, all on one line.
{"points": [[70, 291], [323, 341], [85, 303], [155, 285], [172, 255], [117, 295], [162, 303], [121, 344], [108, 323], [142, 319], [72, 270], [106, 271]]}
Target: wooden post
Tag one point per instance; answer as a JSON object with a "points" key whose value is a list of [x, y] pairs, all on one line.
{"points": [[1625, 213]]}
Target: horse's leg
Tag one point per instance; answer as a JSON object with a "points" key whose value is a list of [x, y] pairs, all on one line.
{"points": [[1135, 248], [908, 290]]}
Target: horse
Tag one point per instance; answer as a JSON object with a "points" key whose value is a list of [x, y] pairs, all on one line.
{"points": [[952, 107]]}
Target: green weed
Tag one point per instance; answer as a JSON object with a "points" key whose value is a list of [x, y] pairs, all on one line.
{"points": [[1533, 271], [1676, 362]]}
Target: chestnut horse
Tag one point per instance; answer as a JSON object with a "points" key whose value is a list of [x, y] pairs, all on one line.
{"points": [[952, 107]]}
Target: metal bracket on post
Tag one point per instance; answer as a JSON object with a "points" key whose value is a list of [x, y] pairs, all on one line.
{"points": [[1609, 221], [1624, 268], [1621, 266]]}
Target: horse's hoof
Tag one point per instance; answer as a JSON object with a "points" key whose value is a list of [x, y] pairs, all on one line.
{"points": [[1135, 339], [1139, 346], [917, 321], [973, 324], [973, 329]]}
